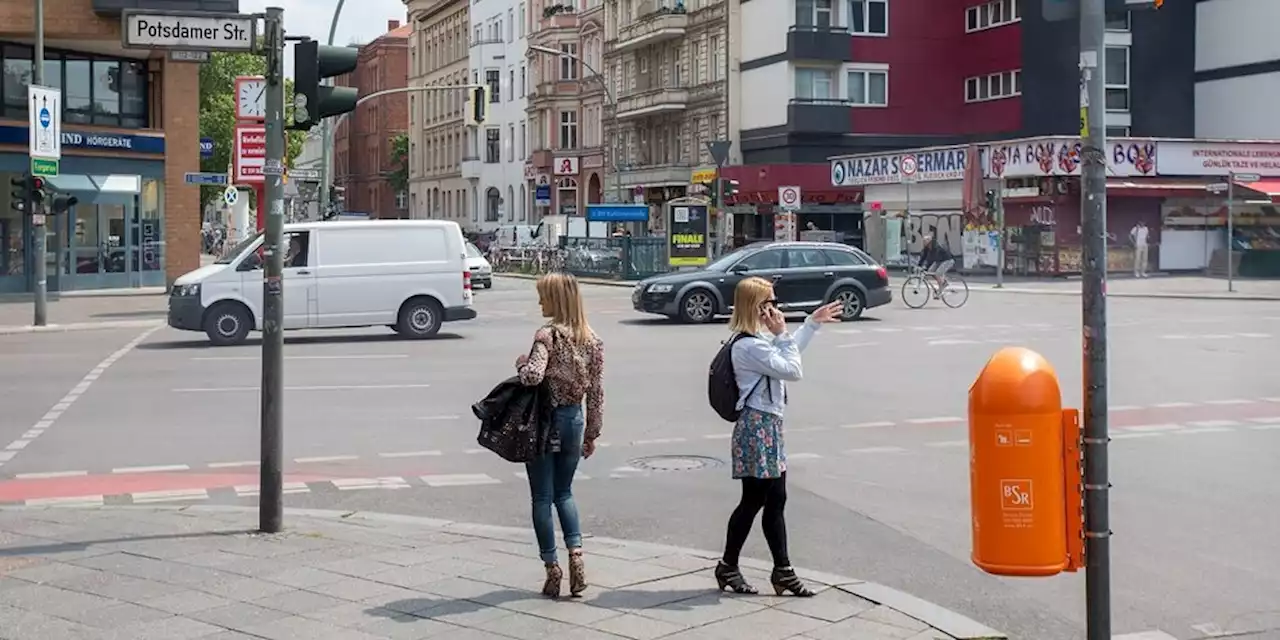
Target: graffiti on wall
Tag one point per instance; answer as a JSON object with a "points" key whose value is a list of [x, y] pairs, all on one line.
{"points": [[946, 228]]}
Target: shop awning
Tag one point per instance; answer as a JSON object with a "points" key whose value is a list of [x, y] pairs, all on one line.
{"points": [[1176, 188], [1271, 187], [112, 189]]}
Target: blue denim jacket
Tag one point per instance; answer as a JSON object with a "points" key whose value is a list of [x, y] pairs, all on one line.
{"points": [[777, 357]]}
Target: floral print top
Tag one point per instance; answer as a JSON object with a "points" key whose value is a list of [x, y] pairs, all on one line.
{"points": [[574, 372]]}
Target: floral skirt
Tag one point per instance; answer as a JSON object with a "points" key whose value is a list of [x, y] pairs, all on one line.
{"points": [[757, 449]]}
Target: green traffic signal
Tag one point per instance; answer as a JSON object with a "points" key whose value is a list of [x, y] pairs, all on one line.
{"points": [[313, 102]]}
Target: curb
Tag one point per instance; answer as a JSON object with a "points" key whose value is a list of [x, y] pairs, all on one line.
{"points": [[954, 624], [1154, 295], [81, 326], [594, 281]]}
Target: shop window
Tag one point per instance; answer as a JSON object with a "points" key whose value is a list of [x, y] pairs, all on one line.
{"points": [[96, 89]]}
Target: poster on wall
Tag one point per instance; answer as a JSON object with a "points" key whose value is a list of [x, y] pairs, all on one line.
{"points": [[687, 238]]}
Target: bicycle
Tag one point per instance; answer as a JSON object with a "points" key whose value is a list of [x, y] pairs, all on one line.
{"points": [[921, 286]]}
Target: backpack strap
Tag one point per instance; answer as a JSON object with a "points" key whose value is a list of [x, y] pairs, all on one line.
{"points": [[768, 389]]}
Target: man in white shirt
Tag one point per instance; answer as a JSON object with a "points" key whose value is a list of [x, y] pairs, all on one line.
{"points": [[1138, 236]]}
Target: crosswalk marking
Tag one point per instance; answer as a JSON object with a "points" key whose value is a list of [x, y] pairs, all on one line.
{"points": [[354, 484], [459, 479], [1149, 428], [144, 497], [1214, 423], [249, 490]]}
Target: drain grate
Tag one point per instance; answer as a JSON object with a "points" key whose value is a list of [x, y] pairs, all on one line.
{"points": [[676, 463]]}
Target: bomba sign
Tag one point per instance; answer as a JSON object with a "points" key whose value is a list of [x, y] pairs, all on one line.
{"points": [[931, 165]]}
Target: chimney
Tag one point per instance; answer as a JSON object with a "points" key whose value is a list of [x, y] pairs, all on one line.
{"points": [[392, 25]]}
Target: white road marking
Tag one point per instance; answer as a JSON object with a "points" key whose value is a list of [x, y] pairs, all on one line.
{"points": [[6, 456], [947, 343], [32, 434], [1124, 407], [887, 330], [938, 420], [439, 417], [1266, 420], [1233, 401], [848, 331], [717, 436], [627, 472], [868, 425], [144, 497], [1174, 405], [948, 443], [72, 501], [472, 452], [315, 459], [18, 445], [1145, 635], [1254, 335], [926, 328], [352, 484], [999, 326], [1214, 423], [51, 474], [803, 456], [1205, 430], [1265, 427], [876, 450], [62, 405], [1153, 428], [322, 387], [854, 345], [659, 441], [459, 479], [807, 429], [245, 490], [371, 356], [410, 454], [152, 469], [1174, 337], [1271, 399], [233, 464]]}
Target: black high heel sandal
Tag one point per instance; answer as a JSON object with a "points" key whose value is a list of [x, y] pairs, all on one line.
{"points": [[731, 578], [784, 579]]}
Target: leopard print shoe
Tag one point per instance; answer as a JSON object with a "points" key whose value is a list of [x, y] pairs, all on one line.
{"points": [[577, 574], [555, 576]]}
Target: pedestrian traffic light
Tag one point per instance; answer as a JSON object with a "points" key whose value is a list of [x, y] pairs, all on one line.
{"points": [[731, 187], [312, 102], [63, 204], [989, 198], [37, 189], [477, 105]]}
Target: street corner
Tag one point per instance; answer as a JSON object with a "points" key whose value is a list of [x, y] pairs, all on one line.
{"points": [[335, 573]]}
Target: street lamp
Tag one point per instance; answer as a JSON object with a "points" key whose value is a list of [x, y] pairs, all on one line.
{"points": [[608, 94]]}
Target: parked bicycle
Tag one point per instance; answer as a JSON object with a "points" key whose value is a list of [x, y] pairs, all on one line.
{"points": [[922, 286]]}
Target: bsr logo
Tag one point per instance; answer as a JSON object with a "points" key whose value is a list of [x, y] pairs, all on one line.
{"points": [[947, 229]]}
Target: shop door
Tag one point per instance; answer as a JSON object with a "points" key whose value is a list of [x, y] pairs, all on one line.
{"points": [[14, 269], [104, 251]]}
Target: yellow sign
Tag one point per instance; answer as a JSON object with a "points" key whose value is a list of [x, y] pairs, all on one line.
{"points": [[687, 262], [702, 176], [1084, 122]]}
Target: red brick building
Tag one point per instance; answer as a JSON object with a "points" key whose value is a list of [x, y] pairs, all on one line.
{"points": [[362, 143]]}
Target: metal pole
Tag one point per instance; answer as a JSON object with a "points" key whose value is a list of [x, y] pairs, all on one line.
{"points": [[1097, 517], [326, 129], [1231, 209], [271, 502], [40, 244], [1000, 234]]}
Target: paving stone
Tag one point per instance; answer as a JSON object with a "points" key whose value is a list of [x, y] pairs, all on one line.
{"points": [[299, 602], [304, 577], [51, 573], [767, 624], [638, 627], [612, 573], [463, 613], [701, 610], [890, 617], [229, 635], [238, 615], [175, 628], [299, 628], [459, 587], [860, 629], [52, 600], [185, 602], [35, 626], [356, 567], [124, 588], [409, 577], [243, 589], [402, 626], [832, 605], [525, 627], [116, 615], [931, 634], [355, 589], [570, 611], [351, 614]]}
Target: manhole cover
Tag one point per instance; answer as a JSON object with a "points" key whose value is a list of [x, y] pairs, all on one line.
{"points": [[675, 463]]}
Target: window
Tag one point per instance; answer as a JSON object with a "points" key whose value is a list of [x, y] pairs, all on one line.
{"points": [[568, 130], [1117, 78], [843, 258], [814, 13], [402, 200], [770, 259], [492, 145], [869, 88], [511, 25], [96, 89], [524, 86], [995, 86], [1118, 21], [801, 258], [492, 78], [814, 84], [520, 28], [524, 141], [568, 61], [869, 17], [717, 61], [1117, 132], [991, 15], [511, 143], [511, 84]]}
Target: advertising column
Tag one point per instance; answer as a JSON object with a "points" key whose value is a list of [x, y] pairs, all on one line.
{"points": [[687, 228]]}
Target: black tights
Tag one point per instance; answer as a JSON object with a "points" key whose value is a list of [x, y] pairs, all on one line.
{"points": [[771, 496]]}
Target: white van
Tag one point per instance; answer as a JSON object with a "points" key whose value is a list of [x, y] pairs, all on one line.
{"points": [[410, 275]]}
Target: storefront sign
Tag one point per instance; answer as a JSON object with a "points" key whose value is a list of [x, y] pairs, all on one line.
{"points": [[930, 165], [702, 176], [1042, 157], [144, 144], [617, 213], [1191, 158], [565, 166], [250, 154], [687, 235]]}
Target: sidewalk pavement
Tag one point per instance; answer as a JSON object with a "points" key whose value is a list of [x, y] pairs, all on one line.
{"points": [[75, 313], [141, 573]]}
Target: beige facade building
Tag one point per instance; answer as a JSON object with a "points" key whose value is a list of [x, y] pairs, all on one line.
{"points": [[665, 62], [438, 54]]}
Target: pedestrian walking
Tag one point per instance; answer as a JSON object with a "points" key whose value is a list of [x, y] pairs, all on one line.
{"points": [[1138, 236], [764, 357], [569, 357]]}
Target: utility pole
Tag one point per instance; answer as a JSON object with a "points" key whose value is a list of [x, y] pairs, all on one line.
{"points": [[271, 500], [326, 131], [38, 229], [1093, 213]]}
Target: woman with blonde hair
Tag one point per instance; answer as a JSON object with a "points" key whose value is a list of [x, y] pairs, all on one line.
{"points": [[764, 356], [569, 356]]}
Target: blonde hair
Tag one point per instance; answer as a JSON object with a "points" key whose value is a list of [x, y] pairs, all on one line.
{"points": [[747, 298], [563, 299]]}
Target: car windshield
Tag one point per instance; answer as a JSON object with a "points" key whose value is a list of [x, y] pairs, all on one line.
{"points": [[472, 251], [233, 253], [723, 262]]}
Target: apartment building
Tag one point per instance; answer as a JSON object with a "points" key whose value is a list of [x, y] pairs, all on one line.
{"points": [[362, 143], [666, 67], [566, 167], [493, 164], [438, 57], [1237, 69]]}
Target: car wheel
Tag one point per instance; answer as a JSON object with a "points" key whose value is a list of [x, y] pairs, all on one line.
{"points": [[852, 302], [697, 307], [420, 318], [227, 323]]}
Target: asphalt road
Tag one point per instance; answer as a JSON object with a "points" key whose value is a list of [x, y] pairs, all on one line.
{"points": [[878, 481]]}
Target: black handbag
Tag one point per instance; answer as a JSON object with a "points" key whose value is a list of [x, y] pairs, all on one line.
{"points": [[516, 421]]}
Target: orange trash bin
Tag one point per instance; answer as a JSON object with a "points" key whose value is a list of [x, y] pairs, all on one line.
{"points": [[1016, 470]]}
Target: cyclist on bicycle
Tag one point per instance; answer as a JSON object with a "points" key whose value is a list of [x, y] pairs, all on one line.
{"points": [[936, 260]]}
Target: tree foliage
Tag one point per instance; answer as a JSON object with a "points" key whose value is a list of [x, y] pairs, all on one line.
{"points": [[399, 177], [218, 110]]}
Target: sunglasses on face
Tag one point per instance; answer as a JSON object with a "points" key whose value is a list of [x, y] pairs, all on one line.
{"points": [[771, 302]]}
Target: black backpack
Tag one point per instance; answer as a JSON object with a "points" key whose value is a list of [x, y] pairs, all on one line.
{"points": [[722, 384]]}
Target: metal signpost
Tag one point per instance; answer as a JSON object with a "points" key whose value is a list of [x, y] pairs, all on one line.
{"points": [[1230, 188], [44, 120]]}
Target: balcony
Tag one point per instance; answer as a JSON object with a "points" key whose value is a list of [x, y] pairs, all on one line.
{"points": [[661, 25], [819, 116], [652, 102], [639, 175], [828, 44], [471, 167]]}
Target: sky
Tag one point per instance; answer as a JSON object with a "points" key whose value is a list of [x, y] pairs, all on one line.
{"points": [[361, 20]]}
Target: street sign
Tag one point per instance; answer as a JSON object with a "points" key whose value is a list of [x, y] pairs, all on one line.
{"points": [[1246, 177], [182, 55], [789, 198], [249, 153], [195, 177], [44, 118], [1217, 187], [44, 167], [907, 168], [206, 147], [196, 31], [304, 174], [230, 195]]}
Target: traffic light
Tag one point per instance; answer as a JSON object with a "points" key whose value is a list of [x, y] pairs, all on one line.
{"points": [[18, 196], [63, 204], [37, 189], [990, 199], [312, 102], [477, 106]]}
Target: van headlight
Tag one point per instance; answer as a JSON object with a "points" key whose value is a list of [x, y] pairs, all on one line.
{"points": [[659, 288], [186, 289]]}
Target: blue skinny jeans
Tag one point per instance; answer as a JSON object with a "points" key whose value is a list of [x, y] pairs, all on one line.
{"points": [[551, 483]]}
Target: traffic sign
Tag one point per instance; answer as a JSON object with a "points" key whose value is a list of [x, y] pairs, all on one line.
{"points": [[907, 167], [304, 174], [196, 177], [44, 119], [789, 198], [1246, 177], [44, 167], [230, 195], [194, 31], [250, 153]]}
